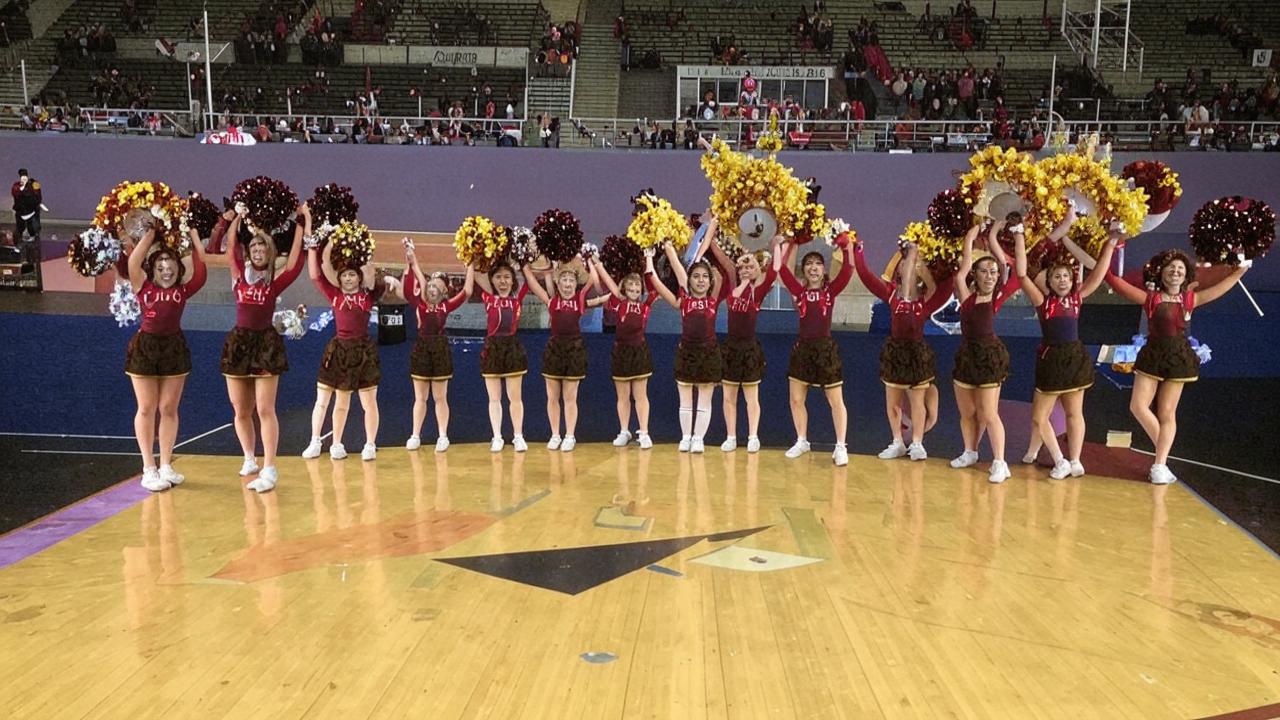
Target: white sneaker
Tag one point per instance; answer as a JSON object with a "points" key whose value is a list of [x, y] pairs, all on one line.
{"points": [[413, 443], [999, 471], [753, 444], [968, 458], [646, 442], [623, 439], [151, 480], [265, 482], [1077, 470], [171, 476], [840, 456], [495, 445], [685, 444], [1029, 459], [569, 444], [895, 450], [729, 445], [518, 443], [442, 443], [313, 450], [554, 443], [696, 446], [369, 452], [1159, 475], [801, 447], [337, 451], [1061, 469], [249, 467], [916, 451]]}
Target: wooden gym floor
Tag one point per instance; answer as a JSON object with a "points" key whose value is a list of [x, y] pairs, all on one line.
{"points": [[618, 583]]}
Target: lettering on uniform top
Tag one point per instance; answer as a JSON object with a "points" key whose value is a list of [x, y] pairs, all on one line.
{"points": [[743, 304], [702, 304], [253, 293], [160, 295], [355, 301], [820, 299]]}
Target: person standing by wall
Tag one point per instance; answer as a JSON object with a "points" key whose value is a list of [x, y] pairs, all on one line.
{"points": [[28, 202]]}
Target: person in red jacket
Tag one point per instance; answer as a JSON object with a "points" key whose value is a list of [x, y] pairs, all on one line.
{"points": [[28, 202], [158, 360], [906, 361], [253, 355], [431, 361]]}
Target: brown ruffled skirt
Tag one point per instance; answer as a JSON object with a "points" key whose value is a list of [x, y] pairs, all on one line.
{"points": [[698, 364], [150, 355], [743, 361], [1063, 368], [631, 362], [1168, 358], [253, 353], [430, 358], [906, 363], [350, 364], [816, 362], [503, 356], [981, 363], [564, 359]]}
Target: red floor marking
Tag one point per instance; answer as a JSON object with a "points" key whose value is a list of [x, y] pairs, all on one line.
{"points": [[1266, 712]]}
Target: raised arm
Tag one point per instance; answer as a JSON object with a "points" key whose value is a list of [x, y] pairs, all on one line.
{"points": [[1063, 228], [682, 275], [910, 266], [1126, 289], [535, 287], [236, 266], [842, 278], [657, 286], [966, 262], [608, 280], [199, 271], [137, 275], [1029, 287], [722, 261], [1094, 280], [783, 263], [1085, 259], [709, 238], [868, 278], [481, 280], [1220, 288], [217, 238], [294, 260]]}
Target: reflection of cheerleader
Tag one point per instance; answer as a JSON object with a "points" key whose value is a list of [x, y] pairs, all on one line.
{"points": [[632, 364], [1063, 367], [815, 357], [982, 362], [350, 362], [158, 360], [741, 352], [430, 361], [906, 361], [253, 356], [698, 366], [564, 361], [503, 362], [1166, 362]]}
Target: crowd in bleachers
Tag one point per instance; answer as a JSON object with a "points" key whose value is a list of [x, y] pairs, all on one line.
{"points": [[1234, 30]]}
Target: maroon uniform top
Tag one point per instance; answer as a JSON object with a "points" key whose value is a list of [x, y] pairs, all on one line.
{"points": [[162, 307], [1059, 318], [1168, 319], [256, 302], [566, 315], [907, 317], [698, 318], [814, 305], [977, 319], [431, 316], [350, 310], [633, 315], [744, 308], [503, 312]]}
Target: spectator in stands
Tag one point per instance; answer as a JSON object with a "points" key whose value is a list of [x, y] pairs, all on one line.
{"points": [[28, 202], [899, 89]]}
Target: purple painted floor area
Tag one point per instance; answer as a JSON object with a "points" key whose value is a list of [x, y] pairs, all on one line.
{"points": [[1016, 415], [48, 531]]}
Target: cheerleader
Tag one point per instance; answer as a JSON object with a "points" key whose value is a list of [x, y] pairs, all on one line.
{"points": [[431, 361], [982, 361], [253, 355], [631, 364], [906, 361], [1064, 369], [815, 357], [741, 353], [350, 362], [698, 366], [503, 362], [1167, 362], [158, 360], [564, 361]]}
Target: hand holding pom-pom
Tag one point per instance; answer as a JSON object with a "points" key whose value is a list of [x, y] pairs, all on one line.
{"points": [[241, 209], [649, 252]]}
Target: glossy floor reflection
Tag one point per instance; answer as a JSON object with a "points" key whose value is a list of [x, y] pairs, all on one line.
{"points": [[934, 594]]}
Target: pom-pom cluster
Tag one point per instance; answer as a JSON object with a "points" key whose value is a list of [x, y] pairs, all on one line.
{"points": [[480, 242], [1158, 181], [154, 198], [93, 252], [657, 223], [1229, 227], [353, 246], [333, 203], [621, 257], [201, 215], [739, 182], [559, 235], [270, 203]]}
